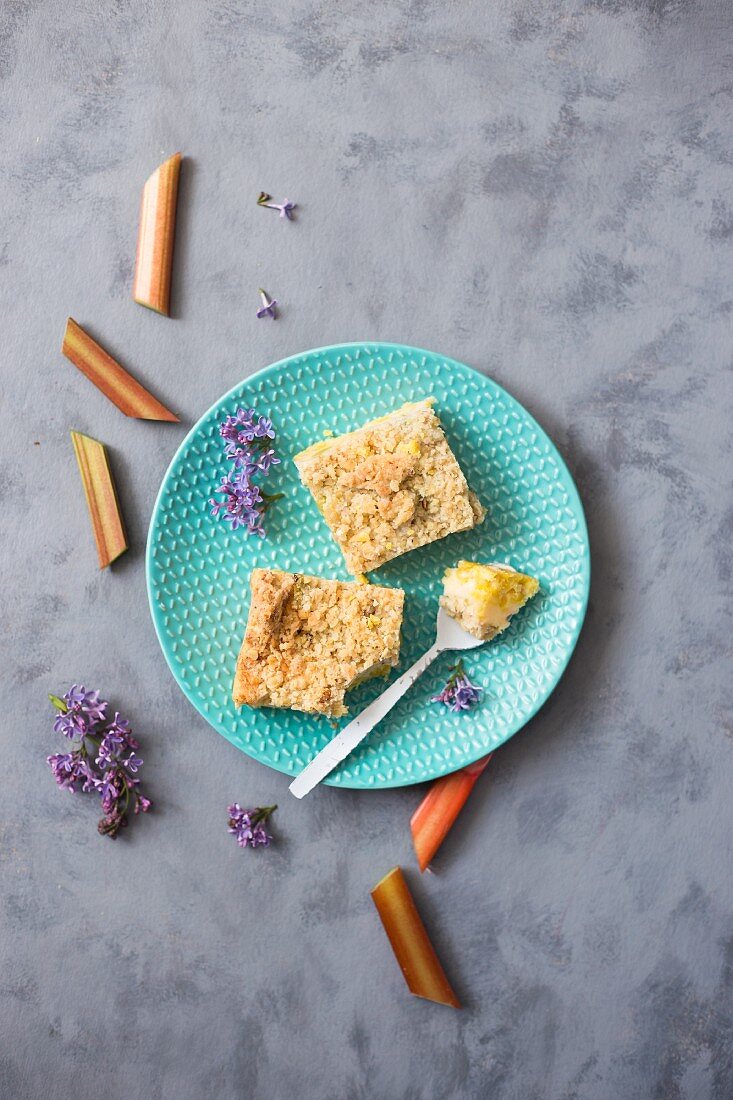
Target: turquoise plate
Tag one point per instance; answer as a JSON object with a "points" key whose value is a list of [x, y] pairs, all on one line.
{"points": [[198, 570]]}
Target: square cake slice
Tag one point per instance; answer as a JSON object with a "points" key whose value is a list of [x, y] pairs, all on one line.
{"points": [[389, 487], [483, 598], [309, 640]]}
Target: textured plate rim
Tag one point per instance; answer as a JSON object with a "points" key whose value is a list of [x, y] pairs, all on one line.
{"points": [[372, 346]]}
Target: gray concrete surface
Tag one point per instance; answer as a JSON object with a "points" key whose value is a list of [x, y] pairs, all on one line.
{"points": [[543, 189]]}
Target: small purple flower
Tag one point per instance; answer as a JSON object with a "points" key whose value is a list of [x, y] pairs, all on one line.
{"points": [[70, 768], [71, 724], [116, 738], [467, 695], [105, 753], [252, 459], [239, 428], [111, 787], [117, 764], [286, 208], [243, 428], [264, 428], [459, 693], [79, 712], [241, 457], [246, 444], [249, 825], [119, 730], [88, 702], [239, 824], [268, 307], [242, 502], [266, 460]]}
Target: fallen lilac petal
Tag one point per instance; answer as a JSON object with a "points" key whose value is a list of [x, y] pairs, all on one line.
{"points": [[267, 309], [285, 208]]}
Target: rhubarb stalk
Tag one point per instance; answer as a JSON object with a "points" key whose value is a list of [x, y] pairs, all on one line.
{"points": [[99, 489], [109, 377], [154, 260], [413, 950], [432, 820]]}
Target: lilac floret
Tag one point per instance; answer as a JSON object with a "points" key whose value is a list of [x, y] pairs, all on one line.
{"points": [[84, 711], [459, 693], [466, 695], [71, 724], [242, 501], [266, 460], [268, 307], [249, 825], [243, 428], [286, 208], [241, 457], [117, 737], [119, 729], [264, 428], [239, 428], [70, 768], [87, 702], [111, 788]]}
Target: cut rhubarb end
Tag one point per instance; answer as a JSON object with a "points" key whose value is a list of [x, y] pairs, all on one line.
{"points": [[432, 820], [413, 950], [108, 376], [99, 489], [154, 261]]}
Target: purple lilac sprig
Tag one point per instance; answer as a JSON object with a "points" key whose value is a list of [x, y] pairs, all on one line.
{"points": [[247, 445], [459, 693], [102, 757], [249, 825], [286, 208]]}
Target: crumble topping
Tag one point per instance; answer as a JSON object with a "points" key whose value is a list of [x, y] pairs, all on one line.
{"points": [[309, 640], [389, 487]]}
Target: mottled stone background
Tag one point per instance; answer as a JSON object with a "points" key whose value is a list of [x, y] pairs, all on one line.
{"points": [[543, 189]]}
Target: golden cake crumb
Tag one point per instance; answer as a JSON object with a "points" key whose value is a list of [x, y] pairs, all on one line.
{"points": [[309, 640], [483, 598], [389, 487]]}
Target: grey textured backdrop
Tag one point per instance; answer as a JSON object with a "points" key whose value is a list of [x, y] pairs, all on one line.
{"points": [[543, 189]]}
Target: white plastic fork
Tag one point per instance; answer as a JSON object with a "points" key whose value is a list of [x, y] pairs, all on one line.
{"points": [[449, 636]]}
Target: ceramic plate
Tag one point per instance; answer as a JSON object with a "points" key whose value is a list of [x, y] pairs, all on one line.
{"points": [[198, 569]]}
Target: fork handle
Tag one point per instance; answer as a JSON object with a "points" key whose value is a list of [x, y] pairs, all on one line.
{"points": [[350, 736]]}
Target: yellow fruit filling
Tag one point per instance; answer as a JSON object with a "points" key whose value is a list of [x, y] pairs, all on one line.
{"points": [[483, 598]]}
